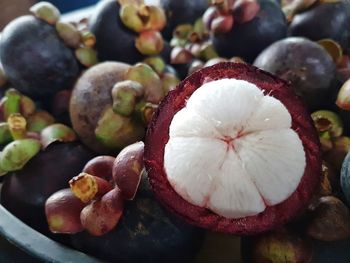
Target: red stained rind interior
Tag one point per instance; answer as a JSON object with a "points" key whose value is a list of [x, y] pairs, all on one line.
{"points": [[158, 135]]}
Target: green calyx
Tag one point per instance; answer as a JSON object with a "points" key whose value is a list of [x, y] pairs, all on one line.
{"points": [[125, 95], [169, 82], [17, 126], [327, 122], [46, 11], [10, 103], [156, 63], [69, 34], [88, 38], [86, 56], [5, 134], [39, 120], [115, 131], [57, 132], [148, 78], [139, 18], [17, 153], [145, 111]]}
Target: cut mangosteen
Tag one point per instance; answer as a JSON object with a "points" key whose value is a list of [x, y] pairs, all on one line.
{"points": [[233, 149]]}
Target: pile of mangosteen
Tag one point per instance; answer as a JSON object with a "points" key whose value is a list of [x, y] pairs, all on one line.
{"points": [[181, 131]]}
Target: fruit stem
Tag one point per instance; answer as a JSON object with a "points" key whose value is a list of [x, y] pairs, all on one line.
{"points": [[17, 125], [88, 187], [11, 102]]}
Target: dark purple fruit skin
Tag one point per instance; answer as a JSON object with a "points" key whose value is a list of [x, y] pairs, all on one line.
{"points": [[247, 40], [24, 193], [35, 59], [323, 252], [329, 20], [306, 64], [146, 233], [114, 42], [181, 12]]}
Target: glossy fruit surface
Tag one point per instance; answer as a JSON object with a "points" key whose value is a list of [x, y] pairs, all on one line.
{"points": [[145, 233], [304, 63], [35, 59], [335, 22], [113, 40], [24, 192], [247, 40]]}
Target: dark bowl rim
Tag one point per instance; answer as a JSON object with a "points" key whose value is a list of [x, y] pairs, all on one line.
{"points": [[36, 244]]}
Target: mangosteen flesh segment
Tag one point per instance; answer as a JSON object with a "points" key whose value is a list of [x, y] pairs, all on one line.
{"points": [[234, 150]]}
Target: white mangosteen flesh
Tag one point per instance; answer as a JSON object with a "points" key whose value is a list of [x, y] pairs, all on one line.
{"points": [[232, 150]]}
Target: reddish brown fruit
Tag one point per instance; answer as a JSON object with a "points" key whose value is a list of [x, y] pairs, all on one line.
{"points": [[100, 166], [127, 169], [102, 215], [281, 245], [62, 211], [330, 220], [273, 215]]}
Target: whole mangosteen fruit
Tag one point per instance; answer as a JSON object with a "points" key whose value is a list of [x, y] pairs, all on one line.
{"points": [[36, 61], [304, 63], [90, 96], [24, 192], [127, 31], [325, 19], [281, 245], [111, 104], [216, 151], [145, 233], [181, 12], [248, 39], [114, 41]]}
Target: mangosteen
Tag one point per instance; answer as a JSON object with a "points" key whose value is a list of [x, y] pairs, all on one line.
{"points": [[281, 245], [325, 19], [216, 150], [24, 192], [248, 39], [36, 61], [126, 31], [112, 103], [145, 233], [90, 97], [330, 220], [114, 41], [304, 63], [181, 12]]}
